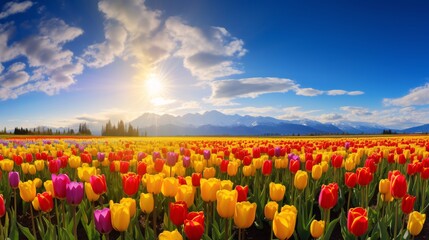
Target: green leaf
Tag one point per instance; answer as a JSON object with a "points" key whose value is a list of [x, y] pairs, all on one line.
{"points": [[26, 232], [330, 228], [216, 231], [384, 234], [206, 237]]}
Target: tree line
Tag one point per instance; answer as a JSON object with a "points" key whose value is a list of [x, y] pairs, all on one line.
{"points": [[82, 130], [120, 130]]}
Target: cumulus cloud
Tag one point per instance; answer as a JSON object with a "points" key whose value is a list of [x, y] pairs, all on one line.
{"points": [[52, 67], [358, 111], [137, 33], [331, 117], [11, 8], [253, 87], [417, 96], [250, 87], [336, 92], [309, 92]]}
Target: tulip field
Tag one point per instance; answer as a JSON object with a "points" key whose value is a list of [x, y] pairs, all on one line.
{"points": [[369, 187]]}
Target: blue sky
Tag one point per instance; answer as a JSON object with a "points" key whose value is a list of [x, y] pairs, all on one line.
{"points": [[64, 62]]}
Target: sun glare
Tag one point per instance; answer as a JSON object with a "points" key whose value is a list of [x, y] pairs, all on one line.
{"points": [[154, 84]]}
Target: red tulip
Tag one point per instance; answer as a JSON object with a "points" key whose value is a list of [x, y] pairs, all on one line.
{"points": [[370, 163], [398, 185], [407, 204], [46, 202], [350, 179], [98, 184], [194, 225], [247, 160], [124, 166], [181, 180], [196, 178], [256, 152], [224, 166], [54, 166], [28, 157], [17, 159], [141, 168], [309, 165], [130, 183], [328, 196], [411, 169], [337, 161], [242, 193], [178, 212], [425, 173], [357, 221], [2, 206], [402, 159], [85, 158], [364, 176], [294, 166], [267, 167], [159, 164]]}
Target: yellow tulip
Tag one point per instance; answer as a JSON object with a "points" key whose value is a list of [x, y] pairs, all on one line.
{"points": [[37, 182], [226, 184], [277, 191], [170, 187], [316, 172], [226, 201], [27, 190], [387, 197], [281, 163], [154, 183], [185, 193], [317, 228], [74, 161], [289, 208], [257, 162], [249, 170], [131, 204], [284, 224], [349, 164], [40, 165], [244, 214], [209, 172], [416, 221], [300, 180], [95, 163], [198, 166], [325, 166], [270, 210], [85, 172], [146, 202], [24, 167], [49, 187], [90, 194], [209, 187], [120, 216], [167, 235], [232, 168], [35, 204], [31, 169], [384, 186], [7, 165]]}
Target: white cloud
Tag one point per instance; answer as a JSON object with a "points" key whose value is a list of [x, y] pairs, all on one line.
{"points": [[416, 96], [146, 39], [250, 87], [330, 117], [358, 111], [52, 67], [253, 87], [336, 92], [309, 92], [11, 8], [295, 113], [252, 111]]}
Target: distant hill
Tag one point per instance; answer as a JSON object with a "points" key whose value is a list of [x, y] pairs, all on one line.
{"points": [[418, 129]]}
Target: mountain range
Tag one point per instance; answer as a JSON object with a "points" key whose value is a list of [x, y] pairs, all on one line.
{"points": [[217, 123]]}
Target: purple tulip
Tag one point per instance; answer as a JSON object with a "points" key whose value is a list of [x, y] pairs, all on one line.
{"points": [[60, 182], [102, 220], [140, 156], [74, 193], [347, 145], [277, 151], [101, 156], [14, 179], [186, 161], [171, 159], [155, 155], [206, 154]]}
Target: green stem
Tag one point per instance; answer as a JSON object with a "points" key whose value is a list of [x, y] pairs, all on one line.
{"points": [[32, 221], [226, 229], [74, 223], [422, 206], [2, 231], [154, 216], [271, 231], [64, 213], [146, 224], [106, 236], [239, 234], [123, 235], [396, 218], [14, 199], [348, 200]]}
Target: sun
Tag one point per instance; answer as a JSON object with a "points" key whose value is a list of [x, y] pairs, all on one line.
{"points": [[154, 84]]}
